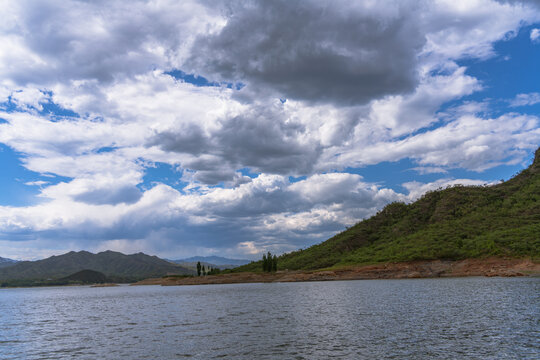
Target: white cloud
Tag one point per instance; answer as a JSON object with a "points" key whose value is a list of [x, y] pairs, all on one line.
{"points": [[36, 183], [535, 35], [249, 247], [468, 142], [457, 29], [29, 98], [429, 170], [525, 99], [417, 189], [406, 113]]}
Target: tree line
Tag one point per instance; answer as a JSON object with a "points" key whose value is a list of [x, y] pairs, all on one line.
{"points": [[202, 270], [269, 262]]}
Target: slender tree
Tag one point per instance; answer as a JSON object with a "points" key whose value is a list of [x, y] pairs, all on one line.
{"points": [[198, 268], [274, 263], [269, 262], [264, 262], [203, 270]]}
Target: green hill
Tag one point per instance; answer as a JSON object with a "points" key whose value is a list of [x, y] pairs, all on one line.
{"points": [[453, 223], [86, 277], [115, 265]]}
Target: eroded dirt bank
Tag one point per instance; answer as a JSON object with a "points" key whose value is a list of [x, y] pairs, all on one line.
{"points": [[418, 269]]}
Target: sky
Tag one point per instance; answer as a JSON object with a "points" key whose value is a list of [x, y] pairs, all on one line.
{"points": [[233, 128]]}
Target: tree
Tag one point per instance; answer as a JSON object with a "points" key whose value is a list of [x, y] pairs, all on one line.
{"points": [[269, 262], [203, 270], [198, 268], [264, 263]]}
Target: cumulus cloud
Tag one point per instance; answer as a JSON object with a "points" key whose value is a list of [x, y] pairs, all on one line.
{"points": [[29, 98], [403, 114], [343, 52], [261, 212], [97, 190], [468, 142], [53, 41], [465, 29], [260, 138], [340, 52]]}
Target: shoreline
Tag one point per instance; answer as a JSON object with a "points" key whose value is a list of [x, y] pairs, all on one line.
{"points": [[502, 267]]}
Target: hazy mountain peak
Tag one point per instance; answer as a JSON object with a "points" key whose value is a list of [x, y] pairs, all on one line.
{"points": [[4, 262]]}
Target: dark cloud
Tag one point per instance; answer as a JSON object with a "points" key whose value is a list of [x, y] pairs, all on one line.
{"points": [[190, 139], [320, 51], [126, 194], [213, 177], [266, 143], [98, 40], [261, 138]]}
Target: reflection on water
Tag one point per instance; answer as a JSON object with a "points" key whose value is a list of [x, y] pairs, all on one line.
{"points": [[478, 318]]}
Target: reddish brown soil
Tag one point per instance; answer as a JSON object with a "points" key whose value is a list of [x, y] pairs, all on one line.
{"points": [[417, 269]]}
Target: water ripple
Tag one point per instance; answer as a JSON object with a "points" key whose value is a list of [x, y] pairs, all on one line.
{"points": [[487, 318]]}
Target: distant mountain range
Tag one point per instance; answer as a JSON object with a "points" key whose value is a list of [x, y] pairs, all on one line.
{"points": [[7, 262], [213, 261], [116, 266]]}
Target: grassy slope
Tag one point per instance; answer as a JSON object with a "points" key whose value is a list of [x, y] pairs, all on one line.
{"points": [[455, 223]]}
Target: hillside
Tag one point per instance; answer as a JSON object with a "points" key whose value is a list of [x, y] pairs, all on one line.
{"points": [[113, 264], [86, 277], [456, 223]]}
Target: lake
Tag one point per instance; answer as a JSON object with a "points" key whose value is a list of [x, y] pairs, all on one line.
{"points": [[459, 318]]}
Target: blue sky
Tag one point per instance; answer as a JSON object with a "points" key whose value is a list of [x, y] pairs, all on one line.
{"points": [[182, 129]]}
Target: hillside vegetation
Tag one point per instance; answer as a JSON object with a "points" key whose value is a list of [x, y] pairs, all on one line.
{"points": [[451, 224], [86, 277]]}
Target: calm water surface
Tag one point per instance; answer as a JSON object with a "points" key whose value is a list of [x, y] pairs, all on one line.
{"points": [[477, 318]]}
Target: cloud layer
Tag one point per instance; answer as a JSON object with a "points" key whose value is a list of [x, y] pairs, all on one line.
{"points": [[298, 97]]}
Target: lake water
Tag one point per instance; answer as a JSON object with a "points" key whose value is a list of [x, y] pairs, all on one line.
{"points": [[477, 318]]}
